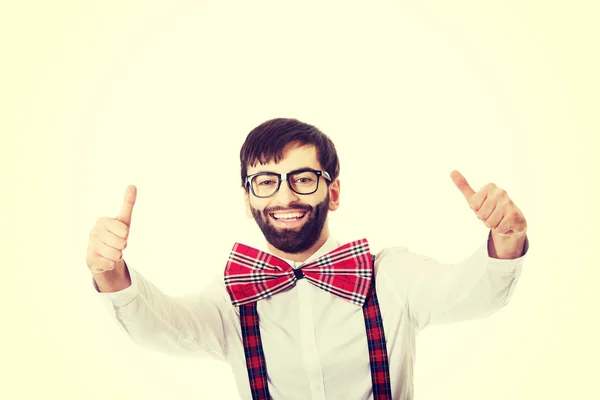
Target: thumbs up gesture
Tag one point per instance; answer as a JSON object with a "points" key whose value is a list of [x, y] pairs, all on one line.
{"points": [[108, 238], [492, 205]]}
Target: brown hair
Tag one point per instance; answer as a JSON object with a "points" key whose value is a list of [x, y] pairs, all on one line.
{"points": [[266, 143]]}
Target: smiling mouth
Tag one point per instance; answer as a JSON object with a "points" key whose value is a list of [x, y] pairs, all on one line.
{"points": [[288, 216]]}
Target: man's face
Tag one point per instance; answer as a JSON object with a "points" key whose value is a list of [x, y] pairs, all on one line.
{"points": [[292, 222]]}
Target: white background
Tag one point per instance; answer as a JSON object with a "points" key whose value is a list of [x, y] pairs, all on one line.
{"points": [[100, 96]]}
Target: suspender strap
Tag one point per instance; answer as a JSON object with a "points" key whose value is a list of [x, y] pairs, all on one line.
{"points": [[253, 350], [378, 358]]}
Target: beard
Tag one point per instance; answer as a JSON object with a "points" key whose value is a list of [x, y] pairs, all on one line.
{"points": [[289, 240]]}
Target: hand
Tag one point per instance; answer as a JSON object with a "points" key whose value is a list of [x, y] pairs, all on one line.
{"points": [[109, 236], [493, 206]]}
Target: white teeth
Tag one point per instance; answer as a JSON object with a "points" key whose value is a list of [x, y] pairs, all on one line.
{"points": [[288, 215]]}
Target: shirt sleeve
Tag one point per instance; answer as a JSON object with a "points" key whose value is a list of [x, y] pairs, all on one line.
{"points": [[435, 293], [180, 326]]}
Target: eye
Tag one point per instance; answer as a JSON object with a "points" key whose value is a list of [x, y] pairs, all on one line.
{"points": [[264, 180], [304, 180]]}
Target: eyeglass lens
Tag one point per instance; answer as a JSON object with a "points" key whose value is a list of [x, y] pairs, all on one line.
{"points": [[301, 182]]}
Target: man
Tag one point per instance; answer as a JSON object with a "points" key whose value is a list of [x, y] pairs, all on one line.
{"points": [[326, 320]]}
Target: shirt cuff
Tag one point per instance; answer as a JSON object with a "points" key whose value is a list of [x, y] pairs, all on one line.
{"points": [[504, 261]]}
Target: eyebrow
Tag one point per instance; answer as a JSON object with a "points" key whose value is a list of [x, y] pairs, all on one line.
{"points": [[290, 172]]}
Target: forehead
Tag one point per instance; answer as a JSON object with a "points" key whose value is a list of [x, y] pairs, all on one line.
{"points": [[293, 157]]}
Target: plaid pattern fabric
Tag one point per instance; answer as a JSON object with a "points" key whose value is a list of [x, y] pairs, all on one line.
{"points": [[255, 359], [252, 275], [378, 356]]}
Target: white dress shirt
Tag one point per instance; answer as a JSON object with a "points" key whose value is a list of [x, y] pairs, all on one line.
{"points": [[314, 342]]}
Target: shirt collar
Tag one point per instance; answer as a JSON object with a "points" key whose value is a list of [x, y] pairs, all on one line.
{"points": [[329, 245]]}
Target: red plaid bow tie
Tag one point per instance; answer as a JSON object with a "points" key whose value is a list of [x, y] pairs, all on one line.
{"points": [[252, 275]]}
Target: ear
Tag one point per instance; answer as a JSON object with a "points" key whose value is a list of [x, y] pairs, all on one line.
{"points": [[247, 204], [334, 195]]}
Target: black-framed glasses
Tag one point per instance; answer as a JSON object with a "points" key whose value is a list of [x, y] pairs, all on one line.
{"points": [[302, 181]]}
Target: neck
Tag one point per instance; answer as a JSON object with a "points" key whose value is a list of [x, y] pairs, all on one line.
{"points": [[302, 256]]}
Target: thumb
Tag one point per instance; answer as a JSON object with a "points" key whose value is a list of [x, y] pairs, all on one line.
{"points": [[462, 184], [127, 208]]}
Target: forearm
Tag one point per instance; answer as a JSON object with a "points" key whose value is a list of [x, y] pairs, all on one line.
{"points": [[483, 297], [490, 281], [436, 292], [184, 326]]}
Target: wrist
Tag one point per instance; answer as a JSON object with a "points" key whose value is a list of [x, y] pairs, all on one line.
{"points": [[114, 280], [504, 246]]}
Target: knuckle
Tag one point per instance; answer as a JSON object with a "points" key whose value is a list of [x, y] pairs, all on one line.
{"points": [[95, 247], [95, 263], [114, 254], [473, 205], [109, 223], [121, 230], [104, 251]]}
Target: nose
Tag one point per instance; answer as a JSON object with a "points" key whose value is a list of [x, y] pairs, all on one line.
{"points": [[285, 195]]}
